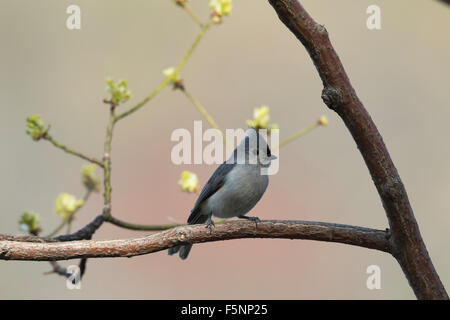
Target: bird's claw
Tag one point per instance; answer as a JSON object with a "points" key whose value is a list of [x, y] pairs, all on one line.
{"points": [[254, 219], [209, 224]]}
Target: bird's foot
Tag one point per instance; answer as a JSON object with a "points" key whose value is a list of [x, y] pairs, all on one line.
{"points": [[255, 219], [209, 224]]}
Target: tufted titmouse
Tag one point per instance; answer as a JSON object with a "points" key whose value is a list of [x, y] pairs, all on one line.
{"points": [[234, 188]]}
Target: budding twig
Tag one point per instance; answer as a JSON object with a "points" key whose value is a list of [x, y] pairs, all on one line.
{"points": [[297, 135], [167, 81], [191, 14], [142, 227], [204, 113], [68, 221], [321, 122], [108, 141], [48, 137]]}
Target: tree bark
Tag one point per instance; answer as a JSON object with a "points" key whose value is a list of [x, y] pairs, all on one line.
{"points": [[41, 249], [338, 94]]}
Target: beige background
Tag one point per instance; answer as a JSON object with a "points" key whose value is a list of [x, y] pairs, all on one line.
{"points": [[400, 73]]}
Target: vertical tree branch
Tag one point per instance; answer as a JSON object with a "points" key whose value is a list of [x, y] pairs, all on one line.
{"points": [[107, 165], [339, 95], [109, 133]]}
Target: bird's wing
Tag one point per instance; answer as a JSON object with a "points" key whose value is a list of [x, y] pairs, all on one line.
{"points": [[214, 183]]}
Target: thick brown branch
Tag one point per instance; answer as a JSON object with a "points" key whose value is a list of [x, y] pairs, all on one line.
{"points": [[339, 95], [51, 251]]}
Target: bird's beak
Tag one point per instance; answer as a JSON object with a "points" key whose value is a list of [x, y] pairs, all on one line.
{"points": [[272, 157]]}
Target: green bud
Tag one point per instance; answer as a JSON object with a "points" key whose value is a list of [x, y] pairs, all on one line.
{"points": [[66, 205], [89, 179], [29, 222], [119, 91], [35, 127]]}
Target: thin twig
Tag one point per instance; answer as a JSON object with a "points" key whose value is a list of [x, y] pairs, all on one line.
{"points": [[192, 14], [48, 137], [107, 164], [72, 216], [161, 86], [201, 109], [204, 113], [142, 227], [296, 135], [56, 268], [70, 219], [84, 233], [167, 81], [58, 229]]}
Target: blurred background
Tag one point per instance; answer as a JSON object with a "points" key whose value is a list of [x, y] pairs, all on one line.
{"points": [[399, 72]]}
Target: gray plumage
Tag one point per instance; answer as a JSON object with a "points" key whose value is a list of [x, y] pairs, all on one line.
{"points": [[234, 188]]}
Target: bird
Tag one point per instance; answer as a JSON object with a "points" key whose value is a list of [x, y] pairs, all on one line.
{"points": [[234, 188]]}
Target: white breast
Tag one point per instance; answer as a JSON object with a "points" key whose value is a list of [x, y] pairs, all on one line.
{"points": [[243, 188]]}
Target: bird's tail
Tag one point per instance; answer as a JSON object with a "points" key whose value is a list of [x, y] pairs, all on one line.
{"points": [[183, 250]]}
